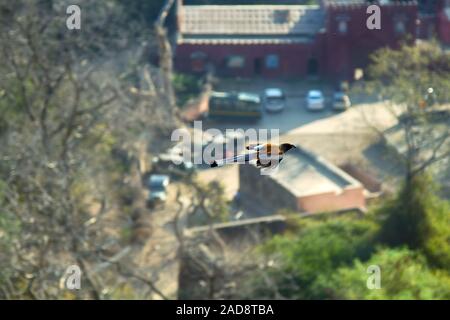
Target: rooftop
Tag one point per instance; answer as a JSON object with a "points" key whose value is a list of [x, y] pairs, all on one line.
{"points": [[246, 39], [304, 173], [248, 21], [345, 2], [365, 2]]}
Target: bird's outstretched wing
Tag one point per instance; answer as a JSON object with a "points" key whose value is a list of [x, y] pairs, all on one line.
{"points": [[243, 158], [255, 147]]}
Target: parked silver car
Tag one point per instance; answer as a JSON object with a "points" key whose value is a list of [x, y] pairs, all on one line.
{"points": [[274, 100], [315, 100]]}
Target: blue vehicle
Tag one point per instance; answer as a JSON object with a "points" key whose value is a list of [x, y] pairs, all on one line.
{"points": [[157, 183]]}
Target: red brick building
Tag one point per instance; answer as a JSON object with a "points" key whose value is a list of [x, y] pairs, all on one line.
{"points": [[329, 40], [305, 183], [442, 22]]}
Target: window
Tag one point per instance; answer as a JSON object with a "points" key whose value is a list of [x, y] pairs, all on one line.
{"points": [[272, 61], [400, 27], [312, 67], [430, 31], [342, 23], [235, 61], [198, 59], [281, 16], [342, 26], [197, 55]]}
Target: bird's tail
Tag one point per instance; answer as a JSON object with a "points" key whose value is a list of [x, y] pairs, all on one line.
{"points": [[243, 158]]}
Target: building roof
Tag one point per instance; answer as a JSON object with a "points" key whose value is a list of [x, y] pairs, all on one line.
{"points": [[367, 3], [345, 2], [244, 23], [219, 39], [304, 173]]}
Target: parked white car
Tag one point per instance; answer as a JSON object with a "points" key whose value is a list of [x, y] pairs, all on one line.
{"points": [[315, 100], [274, 100]]}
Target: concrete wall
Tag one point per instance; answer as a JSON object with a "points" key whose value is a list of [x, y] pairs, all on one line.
{"points": [[366, 178], [263, 190], [293, 58], [237, 232], [350, 198]]}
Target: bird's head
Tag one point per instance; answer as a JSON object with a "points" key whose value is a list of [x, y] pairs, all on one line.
{"points": [[286, 147]]}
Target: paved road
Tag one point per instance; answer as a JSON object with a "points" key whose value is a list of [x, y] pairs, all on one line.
{"points": [[295, 114]]}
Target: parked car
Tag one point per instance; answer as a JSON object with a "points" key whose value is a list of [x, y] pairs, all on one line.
{"points": [[341, 101], [274, 100], [157, 184], [315, 100], [173, 165]]}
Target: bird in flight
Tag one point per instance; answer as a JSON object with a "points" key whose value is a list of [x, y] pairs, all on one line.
{"points": [[267, 155]]}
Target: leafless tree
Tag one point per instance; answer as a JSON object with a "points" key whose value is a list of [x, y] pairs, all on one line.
{"points": [[67, 106]]}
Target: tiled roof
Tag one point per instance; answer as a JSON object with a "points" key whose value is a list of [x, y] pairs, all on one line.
{"points": [[218, 39], [345, 2], [367, 3], [247, 20]]}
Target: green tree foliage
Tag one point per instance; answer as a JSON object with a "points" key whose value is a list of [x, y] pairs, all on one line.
{"points": [[394, 73], [186, 87], [419, 219], [328, 259], [318, 248], [404, 275]]}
